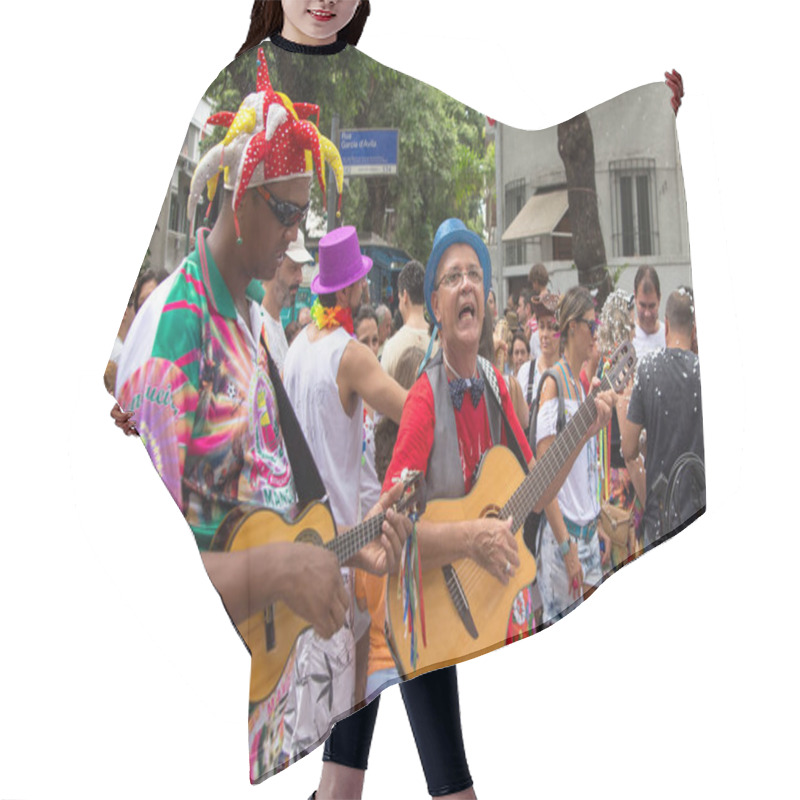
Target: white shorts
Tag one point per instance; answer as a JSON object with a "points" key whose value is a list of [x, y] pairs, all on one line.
{"points": [[557, 599]]}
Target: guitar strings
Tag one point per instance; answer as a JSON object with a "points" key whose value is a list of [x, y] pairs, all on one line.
{"points": [[533, 486], [349, 543], [471, 574]]}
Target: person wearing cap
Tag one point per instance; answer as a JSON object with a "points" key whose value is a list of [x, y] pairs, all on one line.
{"points": [[208, 400], [456, 410], [282, 288], [329, 375]]}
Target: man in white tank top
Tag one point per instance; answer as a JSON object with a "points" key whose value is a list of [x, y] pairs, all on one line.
{"points": [[329, 375]]}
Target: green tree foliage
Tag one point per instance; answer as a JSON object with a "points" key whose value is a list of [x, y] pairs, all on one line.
{"points": [[444, 166]]}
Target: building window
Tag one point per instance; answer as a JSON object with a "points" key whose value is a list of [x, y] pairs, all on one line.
{"points": [[190, 144], [177, 212], [562, 239], [515, 200], [634, 218]]}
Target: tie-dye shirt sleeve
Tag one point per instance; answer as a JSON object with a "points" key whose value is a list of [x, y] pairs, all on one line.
{"points": [[204, 405]]}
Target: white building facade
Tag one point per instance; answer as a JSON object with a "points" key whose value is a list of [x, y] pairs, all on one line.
{"points": [[169, 243], [640, 197]]}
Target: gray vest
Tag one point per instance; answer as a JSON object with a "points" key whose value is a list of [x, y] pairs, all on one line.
{"points": [[445, 477]]}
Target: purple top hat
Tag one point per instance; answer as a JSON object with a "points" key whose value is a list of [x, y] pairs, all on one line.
{"points": [[340, 261]]}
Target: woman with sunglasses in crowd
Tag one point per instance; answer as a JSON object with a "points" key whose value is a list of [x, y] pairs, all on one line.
{"points": [[570, 558]]}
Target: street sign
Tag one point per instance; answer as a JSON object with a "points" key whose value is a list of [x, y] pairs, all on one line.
{"points": [[368, 151]]}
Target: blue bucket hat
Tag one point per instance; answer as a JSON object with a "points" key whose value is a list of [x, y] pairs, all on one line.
{"points": [[454, 231]]}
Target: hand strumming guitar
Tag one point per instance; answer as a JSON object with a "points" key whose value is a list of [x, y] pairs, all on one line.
{"points": [[312, 587], [492, 545], [303, 576]]}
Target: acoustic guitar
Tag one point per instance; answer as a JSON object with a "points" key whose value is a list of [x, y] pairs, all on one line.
{"points": [[270, 635], [466, 608]]}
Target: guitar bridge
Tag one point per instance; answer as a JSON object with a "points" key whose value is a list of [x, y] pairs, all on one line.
{"points": [[269, 627]]}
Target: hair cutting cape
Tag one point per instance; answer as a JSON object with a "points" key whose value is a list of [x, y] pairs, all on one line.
{"points": [[593, 199]]}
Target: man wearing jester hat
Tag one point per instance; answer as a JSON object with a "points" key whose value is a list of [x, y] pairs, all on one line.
{"points": [[208, 401]]}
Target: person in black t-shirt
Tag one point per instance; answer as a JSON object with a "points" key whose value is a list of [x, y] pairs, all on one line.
{"points": [[666, 402]]}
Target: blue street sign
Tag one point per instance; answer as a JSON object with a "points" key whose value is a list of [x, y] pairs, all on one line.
{"points": [[368, 151]]}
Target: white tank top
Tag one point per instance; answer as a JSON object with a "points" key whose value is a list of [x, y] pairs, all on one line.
{"points": [[335, 438]]}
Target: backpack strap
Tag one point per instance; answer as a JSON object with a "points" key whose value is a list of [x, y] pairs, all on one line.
{"points": [[529, 389], [534, 525], [490, 376], [561, 418]]}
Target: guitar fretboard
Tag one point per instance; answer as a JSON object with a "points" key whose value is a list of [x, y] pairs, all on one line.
{"points": [[525, 498], [344, 547]]}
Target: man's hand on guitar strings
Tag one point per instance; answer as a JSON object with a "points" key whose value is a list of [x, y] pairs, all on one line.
{"points": [[315, 590], [492, 545], [382, 556]]}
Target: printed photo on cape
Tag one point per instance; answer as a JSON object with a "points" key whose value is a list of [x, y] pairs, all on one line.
{"points": [[596, 202]]}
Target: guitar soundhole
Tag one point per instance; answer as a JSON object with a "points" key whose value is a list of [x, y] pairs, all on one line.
{"points": [[491, 510], [309, 536]]}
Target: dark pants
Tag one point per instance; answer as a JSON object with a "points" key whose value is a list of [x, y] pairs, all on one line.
{"points": [[432, 706]]}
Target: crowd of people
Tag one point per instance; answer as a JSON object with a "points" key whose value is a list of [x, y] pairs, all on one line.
{"points": [[355, 388], [569, 337], [239, 413], [572, 340]]}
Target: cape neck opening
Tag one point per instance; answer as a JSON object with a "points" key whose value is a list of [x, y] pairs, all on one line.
{"points": [[314, 50]]}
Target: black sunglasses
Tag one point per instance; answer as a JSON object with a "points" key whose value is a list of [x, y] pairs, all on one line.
{"points": [[288, 214]]}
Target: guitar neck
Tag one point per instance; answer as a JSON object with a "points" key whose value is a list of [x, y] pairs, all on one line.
{"points": [[525, 498], [344, 547]]}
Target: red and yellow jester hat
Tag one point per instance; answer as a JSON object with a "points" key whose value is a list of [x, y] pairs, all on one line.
{"points": [[266, 141]]}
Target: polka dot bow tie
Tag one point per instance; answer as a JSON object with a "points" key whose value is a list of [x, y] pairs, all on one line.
{"points": [[459, 387]]}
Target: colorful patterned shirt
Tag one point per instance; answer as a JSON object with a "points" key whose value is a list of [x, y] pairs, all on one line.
{"points": [[196, 375]]}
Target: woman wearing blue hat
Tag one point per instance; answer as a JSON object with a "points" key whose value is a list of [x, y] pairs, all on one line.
{"points": [[454, 413]]}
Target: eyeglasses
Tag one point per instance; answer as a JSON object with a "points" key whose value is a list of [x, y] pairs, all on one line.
{"points": [[455, 278], [288, 214], [593, 325]]}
